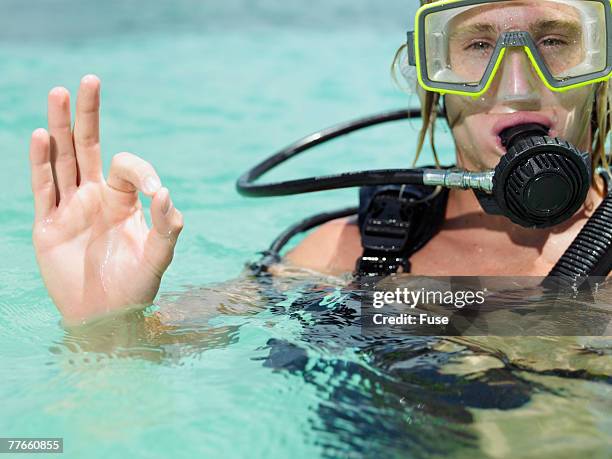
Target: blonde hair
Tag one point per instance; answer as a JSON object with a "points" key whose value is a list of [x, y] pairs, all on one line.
{"points": [[601, 121]]}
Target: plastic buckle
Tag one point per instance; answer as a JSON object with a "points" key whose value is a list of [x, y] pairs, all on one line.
{"points": [[387, 227], [380, 265]]}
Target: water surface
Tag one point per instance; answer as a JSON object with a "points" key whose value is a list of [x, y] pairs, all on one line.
{"points": [[202, 91]]}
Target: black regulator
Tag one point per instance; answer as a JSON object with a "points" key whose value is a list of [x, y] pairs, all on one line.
{"points": [[541, 181]]}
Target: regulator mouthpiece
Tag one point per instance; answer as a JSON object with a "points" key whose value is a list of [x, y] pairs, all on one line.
{"points": [[541, 181]]}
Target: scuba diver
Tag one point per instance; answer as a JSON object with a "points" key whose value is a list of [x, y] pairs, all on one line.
{"points": [[523, 86]]}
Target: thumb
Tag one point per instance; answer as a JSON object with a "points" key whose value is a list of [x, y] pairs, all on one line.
{"points": [[167, 225]]}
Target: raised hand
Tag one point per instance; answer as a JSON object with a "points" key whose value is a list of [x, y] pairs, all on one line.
{"points": [[95, 251]]}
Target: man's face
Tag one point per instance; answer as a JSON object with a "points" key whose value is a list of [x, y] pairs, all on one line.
{"points": [[517, 94]]}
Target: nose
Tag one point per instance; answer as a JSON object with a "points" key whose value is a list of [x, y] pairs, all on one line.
{"points": [[517, 81]]}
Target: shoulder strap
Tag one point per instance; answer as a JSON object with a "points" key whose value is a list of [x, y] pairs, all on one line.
{"points": [[395, 222]]}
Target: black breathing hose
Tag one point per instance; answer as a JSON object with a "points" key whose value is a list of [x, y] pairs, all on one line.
{"points": [[246, 186], [334, 182], [591, 252]]}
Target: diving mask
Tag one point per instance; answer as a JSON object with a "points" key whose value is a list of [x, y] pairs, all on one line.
{"points": [[458, 45]]}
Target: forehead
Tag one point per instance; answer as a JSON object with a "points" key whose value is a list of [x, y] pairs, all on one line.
{"points": [[513, 14]]}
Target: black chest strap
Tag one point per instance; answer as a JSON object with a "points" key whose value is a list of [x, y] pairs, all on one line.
{"points": [[395, 222]]}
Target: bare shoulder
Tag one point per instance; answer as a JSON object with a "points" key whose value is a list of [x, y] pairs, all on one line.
{"points": [[332, 248]]}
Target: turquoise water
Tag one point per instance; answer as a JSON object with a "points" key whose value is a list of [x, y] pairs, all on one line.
{"points": [[203, 91]]}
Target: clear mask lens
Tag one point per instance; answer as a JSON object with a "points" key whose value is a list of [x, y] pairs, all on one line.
{"points": [[569, 36]]}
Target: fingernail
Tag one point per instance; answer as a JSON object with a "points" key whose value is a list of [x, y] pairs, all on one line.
{"points": [[40, 133], [59, 91], [90, 77], [151, 184]]}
